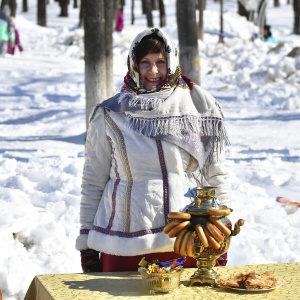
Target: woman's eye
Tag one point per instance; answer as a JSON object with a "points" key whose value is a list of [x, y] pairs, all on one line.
{"points": [[145, 63], [160, 63]]}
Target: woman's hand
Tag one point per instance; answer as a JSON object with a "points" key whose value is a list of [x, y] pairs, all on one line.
{"points": [[90, 261]]}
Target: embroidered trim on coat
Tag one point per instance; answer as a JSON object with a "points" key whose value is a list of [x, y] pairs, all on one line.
{"points": [[165, 179], [129, 181]]}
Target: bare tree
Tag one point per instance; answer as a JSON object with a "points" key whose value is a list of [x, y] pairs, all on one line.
{"points": [[132, 12], [188, 38], [41, 13], [75, 4], [201, 6], [64, 8], [162, 13], [4, 2], [97, 45], [109, 15], [154, 4], [82, 12], [242, 10], [261, 14], [147, 9], [24, 6], [276, 3], [12, 5], [296, 7]]}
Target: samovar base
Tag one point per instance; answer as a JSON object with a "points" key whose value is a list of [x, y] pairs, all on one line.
{"points": [[204, 277]]}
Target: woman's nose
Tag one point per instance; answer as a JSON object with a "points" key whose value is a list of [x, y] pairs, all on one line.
{"points": [[153, 68]]}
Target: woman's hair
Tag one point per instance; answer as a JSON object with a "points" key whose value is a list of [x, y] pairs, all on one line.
{"points": [[150, 44]]}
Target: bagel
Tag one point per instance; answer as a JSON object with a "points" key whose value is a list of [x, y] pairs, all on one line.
{"points": [[219, 212], [201, 235], [179, 215], [222, 227], [211, 241], [178, 240], [170, 225], [215, 232], [180, 226], [190, 247], [183, 245]]}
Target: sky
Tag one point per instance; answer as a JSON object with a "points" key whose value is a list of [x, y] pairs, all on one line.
{"points": [[42, 128]]}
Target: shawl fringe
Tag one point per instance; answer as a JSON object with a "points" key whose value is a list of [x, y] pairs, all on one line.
{"points": [[178, 126]]}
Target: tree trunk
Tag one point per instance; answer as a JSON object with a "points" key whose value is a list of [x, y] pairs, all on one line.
{"points": [[144, 7], [98, 30], [94, 58], [41, 13], [13, 7], [132, 12], [188, 43], [242, 11], [148, 11], [201, 4], [154, 4], [109, 29], [296, 7], [276, 3], [24, 6], [162, 14], [4, 2], [82, 12], [64, 8], [75, 4], [261, 14]]}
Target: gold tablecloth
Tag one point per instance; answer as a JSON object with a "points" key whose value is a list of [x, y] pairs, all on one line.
{"points": [[128, 286]]}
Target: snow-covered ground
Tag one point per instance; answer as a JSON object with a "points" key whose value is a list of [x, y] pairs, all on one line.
{"points": [[42, 126]]}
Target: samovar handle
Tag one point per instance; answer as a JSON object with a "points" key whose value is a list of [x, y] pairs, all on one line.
{"points": [[237, 227]]}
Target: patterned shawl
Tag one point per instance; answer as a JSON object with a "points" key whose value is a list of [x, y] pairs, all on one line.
{"points": [[177, 111]]}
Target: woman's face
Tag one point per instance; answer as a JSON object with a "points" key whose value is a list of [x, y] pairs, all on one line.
{"points": [[153, 70]]}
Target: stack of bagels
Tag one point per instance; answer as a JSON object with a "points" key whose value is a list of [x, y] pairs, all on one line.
{"points": [[212, 234]]}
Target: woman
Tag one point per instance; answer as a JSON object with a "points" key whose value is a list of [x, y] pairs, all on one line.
{"points": [[145, 147]]}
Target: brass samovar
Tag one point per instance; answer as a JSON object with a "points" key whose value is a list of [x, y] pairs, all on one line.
{"points": [[205, 211], [206, 257]]}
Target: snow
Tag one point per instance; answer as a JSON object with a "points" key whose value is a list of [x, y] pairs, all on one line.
{"points": [[42, 125]]}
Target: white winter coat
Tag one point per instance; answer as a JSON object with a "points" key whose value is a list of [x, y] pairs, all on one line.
{"points": [[131, 182]]}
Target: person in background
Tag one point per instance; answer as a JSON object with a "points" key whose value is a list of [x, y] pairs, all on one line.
{"points": [[11, 46], [6, 32], [267, 35], [145, 147], [119, 20]]}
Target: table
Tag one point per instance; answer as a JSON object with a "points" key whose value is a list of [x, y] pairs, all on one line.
{"points": [[128, 286]]}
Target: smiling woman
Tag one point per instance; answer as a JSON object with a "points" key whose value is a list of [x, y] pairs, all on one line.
{"points": [[153, 70], [151, 59], [145, 147]]}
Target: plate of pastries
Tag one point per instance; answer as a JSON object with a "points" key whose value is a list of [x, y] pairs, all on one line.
{"points": [[250, 282]]}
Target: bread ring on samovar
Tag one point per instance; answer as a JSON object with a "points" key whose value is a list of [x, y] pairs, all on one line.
{"points": [[221, 211], [170, 225], [175, 230], [179, 215], [178, 240], [202, 237], [222, 227], [190, 247], [183, 245], [215, 232], [211, 240]]}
